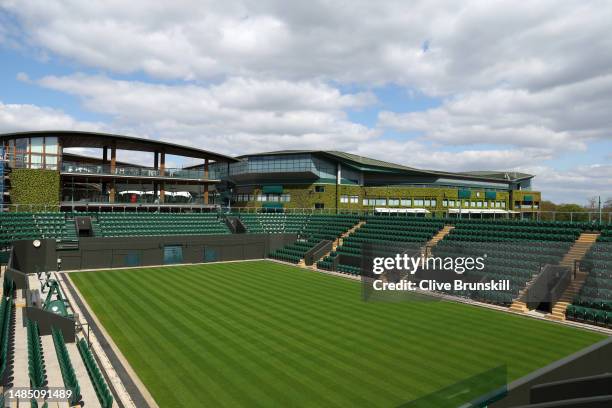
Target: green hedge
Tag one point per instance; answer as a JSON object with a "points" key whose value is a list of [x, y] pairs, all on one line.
{"points": [[38, 188]]}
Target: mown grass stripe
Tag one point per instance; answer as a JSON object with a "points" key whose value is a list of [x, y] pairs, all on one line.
{"points": [[289, 337]]}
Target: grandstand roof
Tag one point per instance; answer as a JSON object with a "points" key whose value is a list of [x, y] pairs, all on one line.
{"points": [[366, 163], [73, 138]]}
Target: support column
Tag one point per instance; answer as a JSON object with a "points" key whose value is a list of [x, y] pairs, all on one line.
{"points": [[104, 163], [206, 183], [156, 167], [113, 165], [162, 169]]}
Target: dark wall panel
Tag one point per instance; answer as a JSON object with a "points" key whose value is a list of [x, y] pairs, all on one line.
{"points": [[96, 253]]}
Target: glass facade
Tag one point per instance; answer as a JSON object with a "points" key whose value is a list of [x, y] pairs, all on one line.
{"points": [[97, 190], [290, 163], [32, 152]]}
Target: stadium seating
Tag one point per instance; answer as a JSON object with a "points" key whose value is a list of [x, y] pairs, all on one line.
{"points": [[37, 225], [6, 312], [68, 373], [515, 250], [311, 229], [104, 395], [593, 304], [156, 224], [384, 236], [36, 364]]}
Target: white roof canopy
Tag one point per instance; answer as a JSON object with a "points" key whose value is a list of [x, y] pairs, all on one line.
{"points": [[477, 211], [402, 210]]}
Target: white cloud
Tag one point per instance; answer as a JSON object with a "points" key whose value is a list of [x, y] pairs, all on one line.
{"points": [[575, 184], [560, 119], [25, 117], [235, 116], [472, 45]]}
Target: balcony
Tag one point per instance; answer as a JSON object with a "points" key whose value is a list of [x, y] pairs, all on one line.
{"points": [[136, 172]]}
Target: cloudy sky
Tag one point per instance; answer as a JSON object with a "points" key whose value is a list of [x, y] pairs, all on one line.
{"points": [[486, 85]]}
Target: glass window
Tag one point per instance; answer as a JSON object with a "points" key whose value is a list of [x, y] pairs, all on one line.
{"points": [[486, 204], [36, 161], [434, 202], [319, 205], [381, 201], [320, 189], [466, 203], [473, 204], [479, 204], [503, 203], [427, 203], [21, 145], [344, 199], [406, 202], [444, 203], [354, 199], [37, 145], [394, 201], [418, 203], [51, 145]]}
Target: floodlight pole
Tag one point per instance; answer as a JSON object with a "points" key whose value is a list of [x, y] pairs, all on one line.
{"points": [[599, 204]]}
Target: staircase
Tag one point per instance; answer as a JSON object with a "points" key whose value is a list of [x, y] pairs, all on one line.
{"points": [[579, 249], [337, 242], [558, 310], [437, 238], [576, 253], [440, 235]]}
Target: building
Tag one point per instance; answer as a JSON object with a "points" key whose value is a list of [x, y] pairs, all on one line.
{"points": [[343, 181], [38, 171]]}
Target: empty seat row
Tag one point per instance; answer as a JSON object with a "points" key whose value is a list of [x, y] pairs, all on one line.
{"points": [[104, 395]]}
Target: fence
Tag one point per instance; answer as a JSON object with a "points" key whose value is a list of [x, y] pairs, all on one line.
{"points": [[595, 217]]}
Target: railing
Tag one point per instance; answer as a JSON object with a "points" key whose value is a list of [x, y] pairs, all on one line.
{"points": [[133, 171], [577, 217], [586, 216]]}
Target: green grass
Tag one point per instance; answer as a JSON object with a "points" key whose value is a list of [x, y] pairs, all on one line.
{"points": [[266, 334]]}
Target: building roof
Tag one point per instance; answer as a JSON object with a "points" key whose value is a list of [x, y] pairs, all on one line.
{"points": [[73, 138], [369, 164]]}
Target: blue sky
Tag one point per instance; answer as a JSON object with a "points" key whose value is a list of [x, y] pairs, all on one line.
{"points": [[439, 85]]}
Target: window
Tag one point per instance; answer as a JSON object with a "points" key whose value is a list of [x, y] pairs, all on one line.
{"points": [[479, 204], [366, 201], [51, 145], [319, 206], [320, 189], [394, 201], [406, 202], [486, 204], [451, 203], [381, 201], [354, 199], [473, 204], [285, 198], [418, 202], [444, 203], [466, 203], [344, 199], [36, 145], [36, 161], [434, 202], [503, 204]]}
